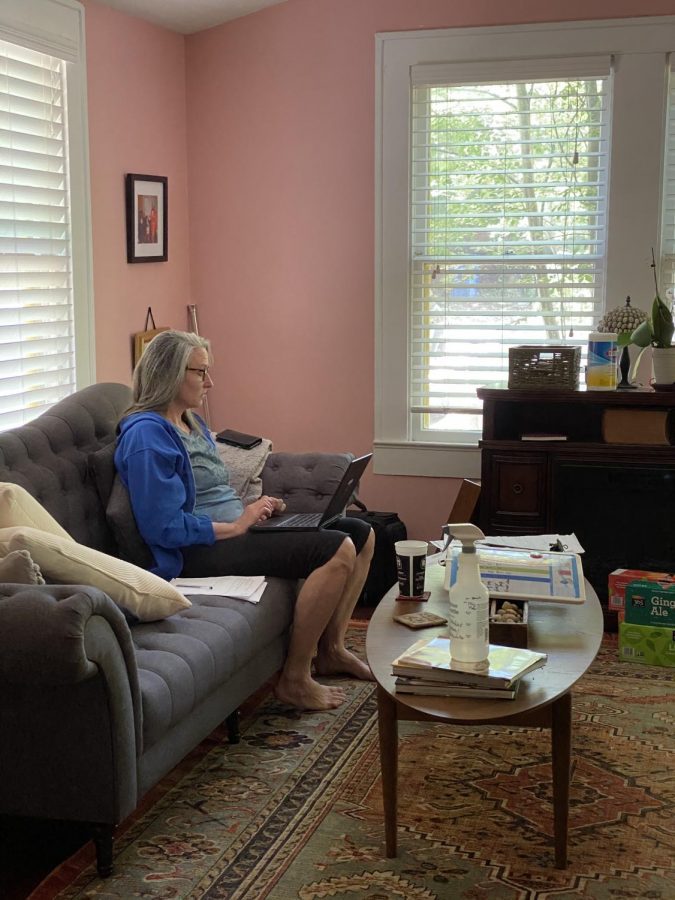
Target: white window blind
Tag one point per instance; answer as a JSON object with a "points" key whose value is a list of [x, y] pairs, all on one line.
{"points": [[508, 215], [37, 363], [667, 270]]}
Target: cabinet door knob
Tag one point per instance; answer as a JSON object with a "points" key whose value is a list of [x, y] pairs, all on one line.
{"points": [[517, 488]]}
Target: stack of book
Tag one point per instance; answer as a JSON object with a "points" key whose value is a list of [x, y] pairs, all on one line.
{"points": [[428, 668]]}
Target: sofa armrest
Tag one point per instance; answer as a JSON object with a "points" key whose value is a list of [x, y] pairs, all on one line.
{"points": [[305, 481], [70, 707]]}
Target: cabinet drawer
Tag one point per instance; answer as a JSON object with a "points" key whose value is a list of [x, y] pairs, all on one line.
{"points": [[518, 490]]}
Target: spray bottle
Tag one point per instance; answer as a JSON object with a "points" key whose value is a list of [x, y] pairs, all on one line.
{"points": [[468, 619]]}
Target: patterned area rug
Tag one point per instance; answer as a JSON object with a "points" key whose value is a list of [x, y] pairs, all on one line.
{"points": [[295, 809]]}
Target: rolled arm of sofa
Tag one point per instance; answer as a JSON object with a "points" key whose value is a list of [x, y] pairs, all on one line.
{"points": [[43, 633], [70, 707], [305, 481]]}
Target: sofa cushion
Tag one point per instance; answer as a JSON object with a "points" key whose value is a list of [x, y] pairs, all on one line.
{"points": [[102, 467], [182, 660], [119, 515], [18, 507], [245, 467], [144, 595], [305, 481], [121, 519], [48, 456]]}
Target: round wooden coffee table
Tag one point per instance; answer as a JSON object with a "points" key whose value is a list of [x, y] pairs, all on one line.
{"points": [[569, 634]]}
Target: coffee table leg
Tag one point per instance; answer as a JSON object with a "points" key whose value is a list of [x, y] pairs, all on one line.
{"points": [[561, 754], [388, 729]]}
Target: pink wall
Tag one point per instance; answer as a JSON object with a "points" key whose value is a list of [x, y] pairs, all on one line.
{"points": [[281, 148], [136, 93], [276, 246]]}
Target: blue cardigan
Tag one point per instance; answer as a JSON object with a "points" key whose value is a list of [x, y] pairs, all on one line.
{"points": [[154, 465]]}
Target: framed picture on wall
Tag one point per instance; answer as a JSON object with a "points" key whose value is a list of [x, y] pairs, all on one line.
{"points": [[147, 218]]}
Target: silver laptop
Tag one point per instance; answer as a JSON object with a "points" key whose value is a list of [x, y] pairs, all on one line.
{"points": [[335, 508]]}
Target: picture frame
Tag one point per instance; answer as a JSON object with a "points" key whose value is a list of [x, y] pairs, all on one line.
{"points": [[146, 204], [141, 341]]}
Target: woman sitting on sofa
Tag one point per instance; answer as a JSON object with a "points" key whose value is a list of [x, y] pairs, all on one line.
{"points": [[196, 525]]}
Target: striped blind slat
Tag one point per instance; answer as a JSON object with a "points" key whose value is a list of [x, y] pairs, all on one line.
{"points": [[508, 210], [36, 292]]}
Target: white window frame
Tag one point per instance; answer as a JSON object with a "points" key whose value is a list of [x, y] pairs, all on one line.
{"points": [[640, 49], [57, 27]]}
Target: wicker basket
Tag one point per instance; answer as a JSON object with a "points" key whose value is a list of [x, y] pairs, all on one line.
{"points": [[544, 367]]}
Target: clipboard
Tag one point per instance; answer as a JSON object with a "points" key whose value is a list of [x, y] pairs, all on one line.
{"points": [[526, 574]]}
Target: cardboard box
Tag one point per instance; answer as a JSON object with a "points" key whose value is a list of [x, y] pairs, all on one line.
{"points": [[650, 603], [647, 645], [619, 579]]}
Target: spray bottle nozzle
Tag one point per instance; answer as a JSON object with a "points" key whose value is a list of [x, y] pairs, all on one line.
{"points": [[465, 532], [445, 531]]}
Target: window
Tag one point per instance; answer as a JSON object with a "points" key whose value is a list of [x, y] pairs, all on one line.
{"points": [[667, 271], [515, 203], [507, 231], [45, 290]]}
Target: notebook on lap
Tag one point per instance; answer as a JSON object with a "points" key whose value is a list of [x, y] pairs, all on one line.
{"points": [[335, 508]]}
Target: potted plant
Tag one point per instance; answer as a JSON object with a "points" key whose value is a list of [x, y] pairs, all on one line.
{"points": [[657, 332]]}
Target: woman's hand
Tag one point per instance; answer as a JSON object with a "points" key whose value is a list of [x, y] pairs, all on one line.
{"points": [[260, 509], [268, 506], [255, 512]]}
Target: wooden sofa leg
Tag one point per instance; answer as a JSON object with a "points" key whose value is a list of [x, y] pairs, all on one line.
{"points": [[103, 841], [232, 724]]}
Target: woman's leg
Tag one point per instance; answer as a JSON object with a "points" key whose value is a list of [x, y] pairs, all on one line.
{"points": [[315, 608], [334, 564], [333, 657]]}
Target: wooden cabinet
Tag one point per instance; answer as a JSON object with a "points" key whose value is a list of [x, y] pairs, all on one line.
{"points": [[519, 483], [618, 498]]}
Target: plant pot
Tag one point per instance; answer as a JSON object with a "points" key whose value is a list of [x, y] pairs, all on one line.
{"points": [[663, 360]]}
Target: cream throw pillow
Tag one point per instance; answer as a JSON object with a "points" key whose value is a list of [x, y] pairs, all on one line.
{"points": [[18, 507], [143, 594], [245, 467]]}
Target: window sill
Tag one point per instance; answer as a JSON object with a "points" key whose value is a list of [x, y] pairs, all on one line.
{"points": [[426, 459]]}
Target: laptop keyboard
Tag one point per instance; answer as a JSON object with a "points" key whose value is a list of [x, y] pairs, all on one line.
{"points": [[302, 519]]}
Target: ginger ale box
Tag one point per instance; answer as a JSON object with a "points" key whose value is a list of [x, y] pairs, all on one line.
{"points": [[650, 603], [647, 645], [619, 580]]}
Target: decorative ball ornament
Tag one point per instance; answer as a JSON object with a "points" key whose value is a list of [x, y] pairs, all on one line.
{"points": [[622, 320]]}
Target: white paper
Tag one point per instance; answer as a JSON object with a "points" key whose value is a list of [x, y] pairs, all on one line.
{"points": [[435, 558], [240, 587], [256, 595]]}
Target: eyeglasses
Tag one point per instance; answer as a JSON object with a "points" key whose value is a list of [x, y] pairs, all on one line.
{"points": [[203, 373]]}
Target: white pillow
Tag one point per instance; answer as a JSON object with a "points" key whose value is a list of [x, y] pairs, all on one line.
{"points": [[145, 595], [18, 507], [245, 467]]}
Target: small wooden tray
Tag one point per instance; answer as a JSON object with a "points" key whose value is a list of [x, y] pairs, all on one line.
{"points": [[509, 634]]}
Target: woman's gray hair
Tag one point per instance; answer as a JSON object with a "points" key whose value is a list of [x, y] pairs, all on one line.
{"points": [[160, 371]]}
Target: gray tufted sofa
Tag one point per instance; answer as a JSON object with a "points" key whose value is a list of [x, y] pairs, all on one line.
{"points": [[93, 710]]}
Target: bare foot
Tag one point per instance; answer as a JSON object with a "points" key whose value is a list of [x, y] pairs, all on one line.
{"points": [[308, 694], [342, 662], [18, 568]]}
